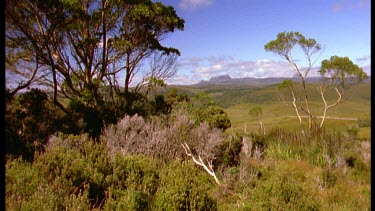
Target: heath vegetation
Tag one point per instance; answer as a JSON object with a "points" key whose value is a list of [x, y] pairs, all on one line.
{"points": [[77, 139]]}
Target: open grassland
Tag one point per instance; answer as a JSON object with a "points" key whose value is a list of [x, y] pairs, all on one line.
{"points": [[356, 104], [238, 100]]}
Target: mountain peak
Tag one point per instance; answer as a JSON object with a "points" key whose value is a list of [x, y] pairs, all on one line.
{"points": [[220, 78]]}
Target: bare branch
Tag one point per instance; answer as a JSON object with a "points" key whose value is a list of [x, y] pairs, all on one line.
{"points": [[200, 162]]}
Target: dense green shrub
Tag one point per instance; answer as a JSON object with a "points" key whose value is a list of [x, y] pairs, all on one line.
{"points": [[184, 187], [214, 115], [204, 109], [79, 160], [282, 191], [228, 152], [28, 189], [31, 119], [134, 181]]}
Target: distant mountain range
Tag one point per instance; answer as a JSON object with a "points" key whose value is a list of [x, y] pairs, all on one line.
{"points": [[258, 82]]}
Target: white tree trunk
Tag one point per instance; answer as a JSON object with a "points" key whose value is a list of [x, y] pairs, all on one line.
{"points": [[200, 162]]}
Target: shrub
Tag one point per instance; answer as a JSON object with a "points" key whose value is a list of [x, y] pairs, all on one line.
{"points": [[134, 182], [160, 138], [30, 120], [214, 115], [228, 152], [184, 187], [282, 191], [27, 189], [77, 159], [364, 122]]}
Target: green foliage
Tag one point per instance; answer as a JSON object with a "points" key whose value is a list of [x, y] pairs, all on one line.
{"points": [[160, 106], [329, 178], [341, 70], [286, 84], [364, 122], [282, 151], [87, 79], [353, 131], [30, 120], [76, 173], [228, 152], [286, 41], [184, 187], [206, 110], [214, 116], [28, 189], [283, 192], [173, 99], [256, 112], [78, 160], [134, 181], [319, 171]]}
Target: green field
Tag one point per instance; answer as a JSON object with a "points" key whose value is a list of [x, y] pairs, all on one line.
{"points": [[237, 101]]}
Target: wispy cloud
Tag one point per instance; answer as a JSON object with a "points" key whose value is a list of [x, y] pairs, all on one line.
{"points": [[181, 79], [363, 59], [191, 4], [362, 4], [337, 7], [351, 4]]}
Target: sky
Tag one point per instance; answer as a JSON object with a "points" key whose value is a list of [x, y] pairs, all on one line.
{"points": [[228, 36]]}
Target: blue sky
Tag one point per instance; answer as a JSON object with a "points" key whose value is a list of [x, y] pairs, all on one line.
{"points": [[228, 36]]}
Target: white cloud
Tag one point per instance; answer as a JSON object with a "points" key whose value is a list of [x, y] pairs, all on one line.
{"points": [[196, 69], [181, 79], [190, 4], [205, 68]]}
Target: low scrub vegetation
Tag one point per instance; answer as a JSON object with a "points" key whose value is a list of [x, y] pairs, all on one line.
{"points": [[140, 164]]}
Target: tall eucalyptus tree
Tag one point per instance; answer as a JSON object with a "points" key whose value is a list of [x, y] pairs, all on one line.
{"points": [[77, 46], [283, 46]]}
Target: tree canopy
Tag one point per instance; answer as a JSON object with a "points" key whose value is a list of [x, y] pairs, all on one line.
{"points": [[283, 46], [76, 46], [338, 74], [341, 71]]}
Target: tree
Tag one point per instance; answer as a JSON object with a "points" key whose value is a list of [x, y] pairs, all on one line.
{"points": [[257, 112], [76, 47], [338, 73], [30, 121], [286, 87], [206, 110], [162, 67], [81, 48], [283, 46]]}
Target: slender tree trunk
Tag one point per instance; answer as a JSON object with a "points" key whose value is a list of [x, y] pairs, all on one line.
{"points": [[307, 103], [326, 106], [297, 112]]}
